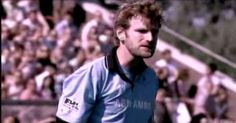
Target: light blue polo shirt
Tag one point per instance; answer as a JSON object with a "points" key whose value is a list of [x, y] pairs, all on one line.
{"points": [[99, 92]]}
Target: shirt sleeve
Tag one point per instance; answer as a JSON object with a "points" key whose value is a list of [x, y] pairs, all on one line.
{"points": [[78, 95]]}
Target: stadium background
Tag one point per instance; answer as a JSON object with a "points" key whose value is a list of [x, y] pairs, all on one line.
{"points": [[210, 23]]}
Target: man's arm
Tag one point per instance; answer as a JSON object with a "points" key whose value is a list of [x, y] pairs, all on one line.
{"points": [[78, 96]]}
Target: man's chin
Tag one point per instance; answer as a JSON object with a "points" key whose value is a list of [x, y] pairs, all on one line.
{"points": [[148, 55]]}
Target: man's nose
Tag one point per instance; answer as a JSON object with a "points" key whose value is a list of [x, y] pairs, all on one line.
{"points": [[148, 36]]}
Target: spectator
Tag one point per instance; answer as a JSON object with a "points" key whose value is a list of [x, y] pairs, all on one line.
{"points": [[79, 58], [48, 88], [89, 29], [170, 65], [162, 74], [27, 5], [105, 39], [14, 13], [43, 56], [4, 90], [56, 56], [28, 65], [180, 86], [31, 20], [93, 51], [66, 22], [34, 20], [49, 70], [23, 33], [15, 85], [216, 105], [207, 85], [30, 92], [161, 114], [4, 35], [5, 57], [50, 41]]}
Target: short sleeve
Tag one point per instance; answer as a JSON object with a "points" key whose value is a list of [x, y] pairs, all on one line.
{"points": [[78, 95]]}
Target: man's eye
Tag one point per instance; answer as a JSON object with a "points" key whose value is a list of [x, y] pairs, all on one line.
{"points": [[142, 31]]}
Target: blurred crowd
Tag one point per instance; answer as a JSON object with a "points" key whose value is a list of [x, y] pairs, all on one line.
{"points": [[39, 51], [180, 101], [38, 54]]}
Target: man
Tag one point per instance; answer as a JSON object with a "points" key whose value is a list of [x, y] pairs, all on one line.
{"points": [[117, 88]]}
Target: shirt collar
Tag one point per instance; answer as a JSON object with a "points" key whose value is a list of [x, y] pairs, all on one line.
{"points": [[113, 65]]}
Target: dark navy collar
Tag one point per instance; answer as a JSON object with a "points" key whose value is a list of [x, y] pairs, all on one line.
{"points": [[112, 64]]}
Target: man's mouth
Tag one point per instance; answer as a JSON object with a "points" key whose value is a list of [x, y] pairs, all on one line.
{"points": [[147, 46]]}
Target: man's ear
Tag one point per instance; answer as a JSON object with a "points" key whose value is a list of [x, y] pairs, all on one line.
{"points": [[120, 32]]}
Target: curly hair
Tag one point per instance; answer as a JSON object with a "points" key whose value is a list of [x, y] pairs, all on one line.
{"points": [[146, 8]]}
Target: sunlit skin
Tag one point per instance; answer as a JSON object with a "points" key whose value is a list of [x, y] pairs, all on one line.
{"points": [[138, 41]]}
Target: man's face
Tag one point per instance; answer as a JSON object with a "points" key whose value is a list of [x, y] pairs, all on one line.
{"points": [[141, 37]]}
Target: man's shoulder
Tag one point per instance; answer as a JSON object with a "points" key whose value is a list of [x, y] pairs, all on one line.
{"points": [[150, 71], [150, 74], [96, 65], [93, 70]]}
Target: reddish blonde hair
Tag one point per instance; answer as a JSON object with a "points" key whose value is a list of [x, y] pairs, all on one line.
{"points": [[146, 8]]}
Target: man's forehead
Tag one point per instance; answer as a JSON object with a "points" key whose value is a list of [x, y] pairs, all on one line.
{"points": [[139, 21]]}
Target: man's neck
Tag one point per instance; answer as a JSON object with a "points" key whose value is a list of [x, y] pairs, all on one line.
{"points": [[126, 59]]}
